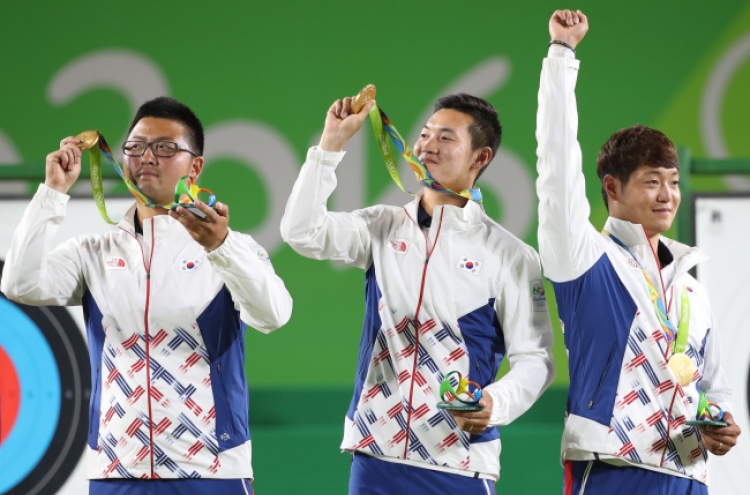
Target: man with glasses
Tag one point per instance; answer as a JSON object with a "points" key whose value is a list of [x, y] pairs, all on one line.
{"points": [[166, 299]]}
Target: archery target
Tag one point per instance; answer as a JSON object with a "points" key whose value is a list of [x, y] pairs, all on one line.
{"points": [[45, 377]]}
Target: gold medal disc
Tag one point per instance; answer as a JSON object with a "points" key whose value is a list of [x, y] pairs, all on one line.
{"points": [[89, 139], [682, 367], [367, 94]]}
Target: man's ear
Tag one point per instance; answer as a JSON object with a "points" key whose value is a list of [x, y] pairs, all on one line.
{"points": [[196, 167], [482, 158], [612, 187]]}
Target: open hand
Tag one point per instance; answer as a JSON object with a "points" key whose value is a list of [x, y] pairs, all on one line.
{"points": [[209, 232], [474, 422], [720, 439]]}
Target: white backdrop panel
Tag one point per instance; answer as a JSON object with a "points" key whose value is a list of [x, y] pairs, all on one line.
{"points": [[721, 227]]}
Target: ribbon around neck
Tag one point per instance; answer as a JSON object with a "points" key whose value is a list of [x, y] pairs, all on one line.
{"points": [[385, 130], [656, 299]]}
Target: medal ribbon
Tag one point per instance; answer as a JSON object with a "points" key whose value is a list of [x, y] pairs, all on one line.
{"points": [[185, 191], [684, 327], [382, 126], [661, 313]]}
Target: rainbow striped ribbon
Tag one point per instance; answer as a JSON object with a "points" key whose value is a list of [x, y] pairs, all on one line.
{"points": [[383, 127], [102, 148], [656, 299]]}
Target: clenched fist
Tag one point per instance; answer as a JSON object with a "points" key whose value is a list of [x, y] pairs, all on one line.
{"points": [[568, 26]]}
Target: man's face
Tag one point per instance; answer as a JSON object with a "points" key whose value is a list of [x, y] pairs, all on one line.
{"points": [[650, 198], [157, 176], [444, 147]]}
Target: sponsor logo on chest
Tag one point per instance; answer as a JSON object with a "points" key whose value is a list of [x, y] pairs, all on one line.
{"points": [[115, 264], [398, 246]]}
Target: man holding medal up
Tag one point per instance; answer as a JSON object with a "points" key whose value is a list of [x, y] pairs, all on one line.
{"points": [[446, 289], [642, 339], [166, 299]]}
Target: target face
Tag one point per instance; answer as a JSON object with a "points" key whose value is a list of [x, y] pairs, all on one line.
{"points": [[45, 383]]}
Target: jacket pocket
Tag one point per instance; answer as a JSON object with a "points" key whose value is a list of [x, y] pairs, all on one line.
{"points": [[598, 389]]}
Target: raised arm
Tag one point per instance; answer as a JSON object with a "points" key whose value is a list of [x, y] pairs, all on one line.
{"points": [[307, 226], [568, 243], [34, 273]]}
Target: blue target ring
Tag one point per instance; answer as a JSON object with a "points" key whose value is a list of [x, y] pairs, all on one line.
{"points": [[39, 409], [48, 354]]}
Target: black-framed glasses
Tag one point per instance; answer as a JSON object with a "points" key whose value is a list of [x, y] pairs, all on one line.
{"points": [[164, 149]]}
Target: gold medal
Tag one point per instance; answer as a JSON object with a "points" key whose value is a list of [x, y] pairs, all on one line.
{"points": [[682, 367], [367, 94], [89, 139]]}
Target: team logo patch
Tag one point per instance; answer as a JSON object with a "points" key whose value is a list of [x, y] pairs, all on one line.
{"points": [[190, 265], [263, 255], [538, 297], [115, 264], [470, 265], [398, 245]]}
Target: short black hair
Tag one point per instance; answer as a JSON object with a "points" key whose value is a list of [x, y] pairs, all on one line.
{"points": [[485, 130], [628, 149], [165, 107]]}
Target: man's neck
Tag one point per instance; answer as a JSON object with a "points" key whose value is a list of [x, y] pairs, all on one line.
{"points": [[145, 212], [654, 241], [432, 198]]}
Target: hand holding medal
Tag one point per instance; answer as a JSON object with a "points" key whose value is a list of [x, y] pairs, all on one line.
{"points": [[186, 191]]}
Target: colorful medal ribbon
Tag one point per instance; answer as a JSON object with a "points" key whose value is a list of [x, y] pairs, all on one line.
{"points": [[382, 125], [661, 313], [93, 141], [680, 345]]}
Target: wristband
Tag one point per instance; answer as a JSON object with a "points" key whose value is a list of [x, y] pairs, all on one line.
{"points": [[560, 42]]}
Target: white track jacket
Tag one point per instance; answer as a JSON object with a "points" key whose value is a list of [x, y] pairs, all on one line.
{"points": [[165, 323], [456, 297], [624, 404]]}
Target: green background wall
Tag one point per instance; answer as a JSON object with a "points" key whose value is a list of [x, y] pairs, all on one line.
{"points": [[261, 76]]}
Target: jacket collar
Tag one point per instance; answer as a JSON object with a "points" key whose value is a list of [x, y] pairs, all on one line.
{"points": [[633, 236], [471, 213], [164, 224]]}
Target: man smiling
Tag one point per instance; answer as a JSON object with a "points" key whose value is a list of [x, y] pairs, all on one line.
{"points": [[447, 289], [166, 299], [642, 341]]}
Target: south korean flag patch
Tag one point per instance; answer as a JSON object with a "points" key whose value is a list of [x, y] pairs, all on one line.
{"points": [[190, 265], [469, 265]]}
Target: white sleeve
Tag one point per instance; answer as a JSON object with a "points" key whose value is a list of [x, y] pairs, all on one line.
{"points": [[568, 243], [310, 229], [261, 296], [714, 381], [528, 341], [34, 273]]}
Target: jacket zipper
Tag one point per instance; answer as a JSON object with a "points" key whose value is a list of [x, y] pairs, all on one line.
{"points": [[147, 267], [415, 322], [601, 380], [148, 345]]}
